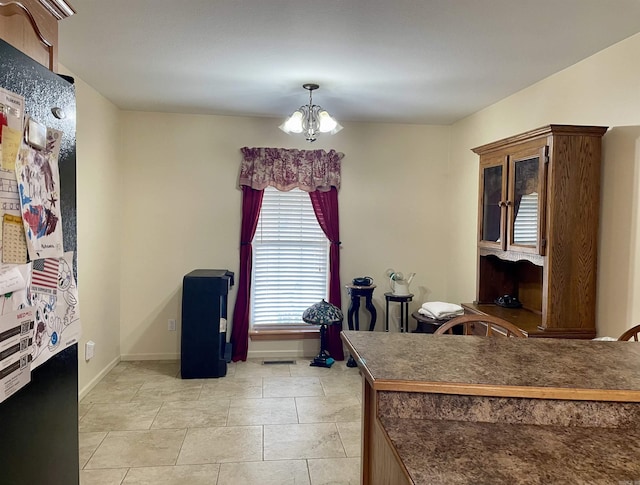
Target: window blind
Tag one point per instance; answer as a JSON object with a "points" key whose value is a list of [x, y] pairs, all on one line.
{"points": [[525, 226], [290, 259]]}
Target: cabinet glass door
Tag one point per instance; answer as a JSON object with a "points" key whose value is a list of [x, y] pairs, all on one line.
{"points": [[525, 204], [493, 176]]}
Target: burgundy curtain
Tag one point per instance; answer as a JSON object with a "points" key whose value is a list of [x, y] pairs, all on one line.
{"points": [[314, 171], [325, 206], [251, 203]]}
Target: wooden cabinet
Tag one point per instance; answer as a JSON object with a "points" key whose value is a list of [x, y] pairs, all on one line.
{"points": [[31, 26], [538, 208]]}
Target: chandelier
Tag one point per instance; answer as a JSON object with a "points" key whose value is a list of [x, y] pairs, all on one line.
{"points": [[310, 119]]}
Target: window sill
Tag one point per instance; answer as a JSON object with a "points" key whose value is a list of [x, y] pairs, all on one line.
{"points": [[285, 333]]}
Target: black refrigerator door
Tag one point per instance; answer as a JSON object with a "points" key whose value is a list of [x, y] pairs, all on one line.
{"points": [[39, 424]]}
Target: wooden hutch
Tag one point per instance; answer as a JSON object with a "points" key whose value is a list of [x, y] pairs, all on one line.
{"points": [[538, 209]]}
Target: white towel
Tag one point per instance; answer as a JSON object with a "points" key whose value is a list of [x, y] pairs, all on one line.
{"points": [[440, 310], [439, 316]]}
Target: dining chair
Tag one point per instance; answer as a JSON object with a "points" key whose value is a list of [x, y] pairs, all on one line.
{"points": [[631, 334], [492, 326]]}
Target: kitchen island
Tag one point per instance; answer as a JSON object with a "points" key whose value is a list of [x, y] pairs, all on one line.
{"points": [[447, 409]]}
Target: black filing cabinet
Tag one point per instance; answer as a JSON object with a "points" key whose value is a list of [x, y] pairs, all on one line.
{"points": [[204, 306]]}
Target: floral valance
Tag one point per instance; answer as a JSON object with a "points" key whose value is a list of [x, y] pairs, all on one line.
{"points": [[285, 169]]}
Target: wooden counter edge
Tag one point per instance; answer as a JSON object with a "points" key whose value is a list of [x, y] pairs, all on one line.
{"points": [[615, 395]]}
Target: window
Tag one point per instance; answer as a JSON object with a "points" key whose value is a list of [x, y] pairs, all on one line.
{"points": [[290, 259]]}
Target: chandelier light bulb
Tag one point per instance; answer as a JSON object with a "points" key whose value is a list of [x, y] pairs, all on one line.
{"points": [[327, 123], [310, 119], [293, 124]]}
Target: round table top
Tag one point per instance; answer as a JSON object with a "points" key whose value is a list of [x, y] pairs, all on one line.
{"points": [[393, 297]]}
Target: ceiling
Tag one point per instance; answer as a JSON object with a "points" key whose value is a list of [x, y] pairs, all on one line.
{"points": [[401, 61]]}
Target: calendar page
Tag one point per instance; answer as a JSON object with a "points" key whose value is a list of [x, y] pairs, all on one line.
{"points": [[14, 243]]}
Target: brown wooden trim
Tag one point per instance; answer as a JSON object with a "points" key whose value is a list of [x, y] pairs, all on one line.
{"points": [[508, 391], [368, 415], [513, 256], [36, 34], [503, 162], [540, 132], [286, 333], [17, 8], [387, 467], [564, 332]]}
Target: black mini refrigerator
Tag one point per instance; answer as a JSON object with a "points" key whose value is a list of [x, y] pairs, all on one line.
{"points": [[204, 315]]}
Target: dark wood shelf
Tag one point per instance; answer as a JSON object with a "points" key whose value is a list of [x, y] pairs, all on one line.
{"points": [[527, 320], [521, 317]]}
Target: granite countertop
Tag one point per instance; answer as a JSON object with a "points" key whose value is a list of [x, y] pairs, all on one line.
{"points": [[449, 452], [538, 368], [472, 410]]}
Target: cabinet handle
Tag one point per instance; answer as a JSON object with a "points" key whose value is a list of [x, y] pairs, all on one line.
{"points": [[501, 203], [509, 203]]}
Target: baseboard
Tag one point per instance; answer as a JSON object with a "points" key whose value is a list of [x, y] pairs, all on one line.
{"points": [[256, 354], [261, 354], [93, 382], [150, 357]]}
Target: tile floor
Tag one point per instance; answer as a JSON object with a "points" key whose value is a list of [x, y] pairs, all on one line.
{"points": [[272, 424]]}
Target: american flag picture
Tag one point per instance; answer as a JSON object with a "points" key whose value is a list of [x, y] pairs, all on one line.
{"points": [[44, 274]]}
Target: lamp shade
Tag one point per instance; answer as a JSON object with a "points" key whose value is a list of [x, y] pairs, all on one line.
{"points": [[322, 313], [293, 123]]}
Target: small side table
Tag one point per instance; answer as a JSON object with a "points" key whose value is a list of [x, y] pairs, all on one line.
{"points": [[404, 310], [353, 315], [355, 293], [425, 324]]}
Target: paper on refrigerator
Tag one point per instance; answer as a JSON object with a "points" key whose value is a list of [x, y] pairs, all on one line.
{"points": [[17, 296], [39, 191], [12, 109], [10, 147], [11, 280], [11, 126], [54, 298], [16, 345], [10, 206]]}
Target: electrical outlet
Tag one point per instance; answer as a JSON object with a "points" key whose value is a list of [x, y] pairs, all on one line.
{"points": [[89, 349], [171, 325]]}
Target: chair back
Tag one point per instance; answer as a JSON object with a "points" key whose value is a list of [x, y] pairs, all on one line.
{"points": [[631, 334], [490, 326]]}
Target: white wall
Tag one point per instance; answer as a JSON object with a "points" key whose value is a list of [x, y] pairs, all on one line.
{"points": [[99, 209], [601, 90], [182, 212], [408, 201]]}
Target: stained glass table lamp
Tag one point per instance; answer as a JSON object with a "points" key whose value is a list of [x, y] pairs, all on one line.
{"points": [[323, 314]]}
